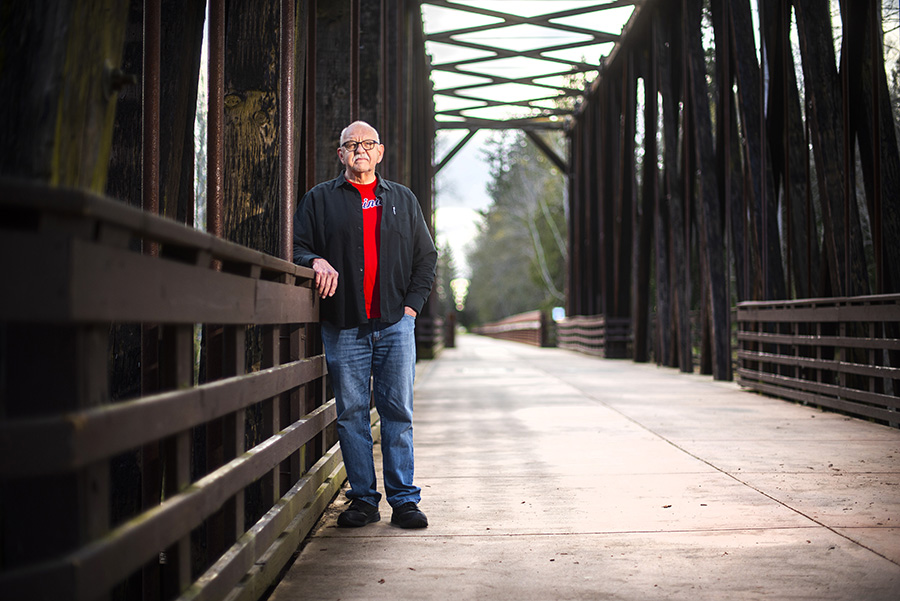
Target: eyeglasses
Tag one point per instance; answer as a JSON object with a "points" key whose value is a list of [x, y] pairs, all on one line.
{"points": [[352, 145]]}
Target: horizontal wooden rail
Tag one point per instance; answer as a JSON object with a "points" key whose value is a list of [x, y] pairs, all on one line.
{"points": [[595, 335], [839, 353], [198, 485], [528, 328], [47, 445]]}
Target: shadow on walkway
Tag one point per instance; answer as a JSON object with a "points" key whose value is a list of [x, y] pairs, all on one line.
{"points": [[549, 475]]}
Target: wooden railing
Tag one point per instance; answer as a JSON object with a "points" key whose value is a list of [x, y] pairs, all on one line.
{"points": [[429, 336], [595, 335], [190, 490], [528, 328], [839, 353]]}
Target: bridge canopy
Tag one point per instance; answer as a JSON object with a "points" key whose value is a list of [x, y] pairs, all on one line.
{"points": [[521, 65]]}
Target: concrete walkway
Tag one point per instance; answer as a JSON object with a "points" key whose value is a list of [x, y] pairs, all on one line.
{"points": [[551, 475]]}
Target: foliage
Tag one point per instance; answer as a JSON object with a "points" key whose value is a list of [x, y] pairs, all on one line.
{"points": [[519, 255], [200, 151], [442, 294]]}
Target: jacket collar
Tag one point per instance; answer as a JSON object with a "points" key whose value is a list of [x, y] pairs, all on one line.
{"points": [[341, 180]]}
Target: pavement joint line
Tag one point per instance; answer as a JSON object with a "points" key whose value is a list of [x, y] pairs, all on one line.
{"points": [[589, 395], [598, 533]]}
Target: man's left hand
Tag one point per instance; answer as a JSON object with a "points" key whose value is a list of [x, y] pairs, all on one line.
{"points": [[410, 311]]}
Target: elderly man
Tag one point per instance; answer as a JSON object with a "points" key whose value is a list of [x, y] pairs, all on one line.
{"points": [[366, 239]]}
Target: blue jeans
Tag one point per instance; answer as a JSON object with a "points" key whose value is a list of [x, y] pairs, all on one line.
{"points": [[388, 353]]}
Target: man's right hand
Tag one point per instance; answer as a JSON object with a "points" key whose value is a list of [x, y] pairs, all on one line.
{"points": [[326, 278]]}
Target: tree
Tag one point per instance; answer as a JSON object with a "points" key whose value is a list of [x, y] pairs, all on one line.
{"points": [[518, 261], [442, 295]]}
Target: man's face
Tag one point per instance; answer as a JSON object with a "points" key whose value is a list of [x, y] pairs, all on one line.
{"points": [[360, 163]]}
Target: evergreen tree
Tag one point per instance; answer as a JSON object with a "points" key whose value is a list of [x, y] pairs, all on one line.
{"points": [[519, 256]]}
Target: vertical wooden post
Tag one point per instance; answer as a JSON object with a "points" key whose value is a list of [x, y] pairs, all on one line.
{"points": [[271, 418], [176, 372]]}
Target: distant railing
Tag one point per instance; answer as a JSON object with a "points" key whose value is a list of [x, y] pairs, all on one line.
{"points": [[429, 336], [595, 335], [839, 353], [200, 490], [528, 328]]}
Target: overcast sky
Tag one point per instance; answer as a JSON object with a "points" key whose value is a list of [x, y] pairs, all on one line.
{"points": [[460, 187], [460, 192]]}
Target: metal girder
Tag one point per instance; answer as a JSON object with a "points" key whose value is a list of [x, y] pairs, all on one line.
{"points": [[527, 70], [548, 151]]}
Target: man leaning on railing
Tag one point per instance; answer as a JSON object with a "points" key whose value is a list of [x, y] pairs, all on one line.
{"points": [[367, 241]]}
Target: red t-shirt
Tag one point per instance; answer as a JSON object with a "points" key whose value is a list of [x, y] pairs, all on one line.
{"points": [[372, 208]]}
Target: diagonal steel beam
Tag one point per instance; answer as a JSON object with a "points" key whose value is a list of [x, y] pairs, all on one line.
{"points": [[560, 163], [454, 150]]}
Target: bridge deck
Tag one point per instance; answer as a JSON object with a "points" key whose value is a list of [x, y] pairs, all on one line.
{"points": [[552, 475]]}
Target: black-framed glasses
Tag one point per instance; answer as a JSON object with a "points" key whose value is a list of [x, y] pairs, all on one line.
{"points": [[351, 145]]}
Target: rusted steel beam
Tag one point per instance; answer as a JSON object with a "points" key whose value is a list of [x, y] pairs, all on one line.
{"points": [[848, 156], [548, 151], [624, 193], [334, 80], [594, 163], [576, 221], [372, 31], [591, 203], [670, 89], [608, 127], [180, 57], [763, 200], [779, 48], [354, 52], [215, 175], [789, 156], [876, 46], [871, 124], [150, 128], [586, 243], [709, 212], [387, 48], [724, 118], [827, 136], [286, 155], [767, 237], [692, 262], [459, 145], [310, 91], [663, 329], [645, 219]]}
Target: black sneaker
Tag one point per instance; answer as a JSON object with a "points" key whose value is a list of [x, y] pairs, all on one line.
{"points": [[358, 514], [409, 516]]}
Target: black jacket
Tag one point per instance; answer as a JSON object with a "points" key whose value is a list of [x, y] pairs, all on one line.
{"points": [[328, 224]]}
